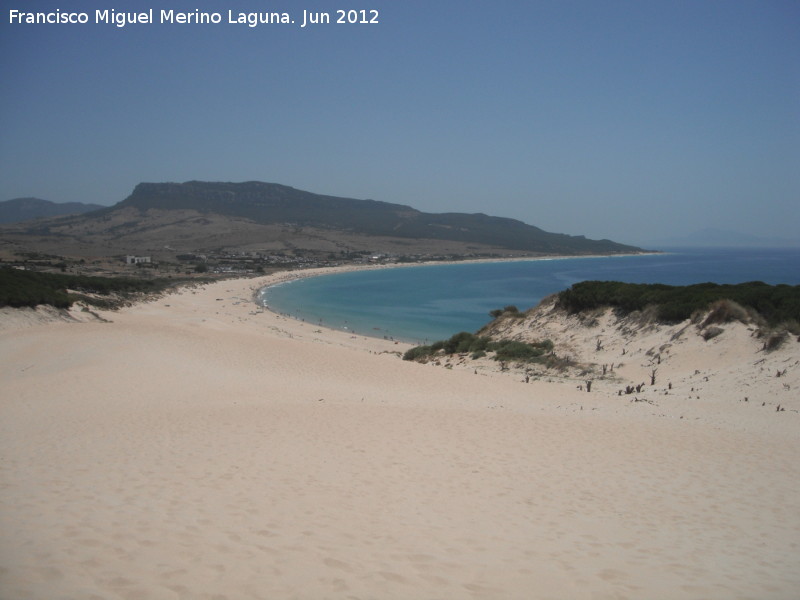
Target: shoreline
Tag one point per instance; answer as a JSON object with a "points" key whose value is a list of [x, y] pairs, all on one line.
{"points": [[194, 445], [289, 276]]}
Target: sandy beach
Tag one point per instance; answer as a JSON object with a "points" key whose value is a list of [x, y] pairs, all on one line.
{"points": [[198, 447]]}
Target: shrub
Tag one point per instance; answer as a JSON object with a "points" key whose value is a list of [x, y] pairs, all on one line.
{"points": [[459, 343], [516, 351], [30, 288], [725, 311], [775, 303], [477, 346], [791, 326], [480, 344], [417, 352], [775, 340], [560, 363], [508, 350], [508, 310]]}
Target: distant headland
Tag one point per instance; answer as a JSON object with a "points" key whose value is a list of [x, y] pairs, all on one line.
{"points": [[244, 226]]}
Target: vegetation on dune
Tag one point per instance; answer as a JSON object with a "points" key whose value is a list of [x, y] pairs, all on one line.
{"points": [[478, 346], [29, 288], [775, 304], [509, 310], [774, 308], [508, 350]]}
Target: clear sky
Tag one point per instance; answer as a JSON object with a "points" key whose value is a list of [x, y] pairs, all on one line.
{"points": [[624, 120]]}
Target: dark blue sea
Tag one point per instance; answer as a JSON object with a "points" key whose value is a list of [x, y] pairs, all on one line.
{"points": [[432, 302]]}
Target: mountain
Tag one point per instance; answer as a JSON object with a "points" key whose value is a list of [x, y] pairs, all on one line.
{"points": [[165, 220], [19, 210], [272, 204]]}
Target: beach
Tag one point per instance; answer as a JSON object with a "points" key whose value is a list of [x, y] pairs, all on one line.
{"points": [[198, 446]]}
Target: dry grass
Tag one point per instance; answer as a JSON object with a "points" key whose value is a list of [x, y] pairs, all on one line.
{"points": [[725, 311]]}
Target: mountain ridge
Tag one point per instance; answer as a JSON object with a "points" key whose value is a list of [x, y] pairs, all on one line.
{"points": [[168, 220], [19, 210], [272, 203]]}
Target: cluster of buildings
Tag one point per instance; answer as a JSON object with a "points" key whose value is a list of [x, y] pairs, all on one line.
{"points": [[224, 263], [257, 262]]}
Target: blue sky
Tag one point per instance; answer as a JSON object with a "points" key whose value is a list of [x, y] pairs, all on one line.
{"points": [[625, 120]]}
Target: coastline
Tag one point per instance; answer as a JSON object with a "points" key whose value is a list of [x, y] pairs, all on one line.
{"points": [[283, 277], [196, 445]]}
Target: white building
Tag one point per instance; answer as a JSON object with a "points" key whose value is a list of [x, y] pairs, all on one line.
{"points": [[136, 260]]}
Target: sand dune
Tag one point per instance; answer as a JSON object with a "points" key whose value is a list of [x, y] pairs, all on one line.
{"points": [[196, 447], [727, 379]]}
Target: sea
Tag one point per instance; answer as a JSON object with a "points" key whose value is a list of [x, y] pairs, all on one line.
{"points": [[424, 303]]}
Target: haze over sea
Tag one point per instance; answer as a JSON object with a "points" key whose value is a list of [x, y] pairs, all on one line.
{"points": [[432, 302]]}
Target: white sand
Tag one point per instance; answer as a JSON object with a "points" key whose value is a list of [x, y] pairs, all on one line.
{"points": [[198, 448]]}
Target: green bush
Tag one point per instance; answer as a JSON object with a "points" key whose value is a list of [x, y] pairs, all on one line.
{"points": [[480, 344], [775, 303], [477, 346], [462, 343], [508, 310], [30, 288], [417, 352], [509, 350], [459, 343]]}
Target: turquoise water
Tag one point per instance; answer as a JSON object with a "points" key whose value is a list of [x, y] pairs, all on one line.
{"points": [[433, 302]]}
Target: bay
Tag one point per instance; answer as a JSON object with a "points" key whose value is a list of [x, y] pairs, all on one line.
{"points": [[430, 302]]}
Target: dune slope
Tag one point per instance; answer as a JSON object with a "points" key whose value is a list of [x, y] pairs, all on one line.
{"points": [[197, 447]]}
